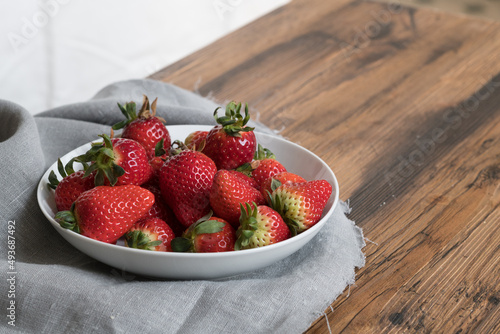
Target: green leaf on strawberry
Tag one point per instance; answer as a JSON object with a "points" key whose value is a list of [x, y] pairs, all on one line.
{"points": [[138, 239], [259, 226], [63, 171], [194, 240], [129, 111], [233, 122], [102, 159], [263, 153]]}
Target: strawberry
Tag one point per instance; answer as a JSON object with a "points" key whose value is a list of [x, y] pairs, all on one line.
{"points": [[119, 161], [145, 127], [106, 213], [270, 184], [260, 226], [228, 191], [265, 169], [150, 234], [196, 140], [263, 166], [231, 143], [70, 187], [207, 235], [156, 163], [158, 160], [185, 180], [161, 210], [301, 204]]}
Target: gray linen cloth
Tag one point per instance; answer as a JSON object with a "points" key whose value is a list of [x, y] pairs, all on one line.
{"points": [[57, 289]]}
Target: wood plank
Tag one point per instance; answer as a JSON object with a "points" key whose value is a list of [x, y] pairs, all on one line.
{"points": [[414, 240], [404, 105]]}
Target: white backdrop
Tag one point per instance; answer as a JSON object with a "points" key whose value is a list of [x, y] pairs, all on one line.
{"points": [[54, 52]]}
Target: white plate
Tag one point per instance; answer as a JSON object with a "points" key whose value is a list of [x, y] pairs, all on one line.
{"points": [[203, 265]]}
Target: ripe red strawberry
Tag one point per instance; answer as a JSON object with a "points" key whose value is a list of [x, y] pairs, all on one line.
{"points": [[150, 234], [196, 140], [70, 187], [117, 161], [185, 181], [260, 226], [208, 235], [229, 190], [231, 143], [106, 213], [301, 204], [270, 184], [145, 127], [265, 165], [161, 210], [265, 169]]}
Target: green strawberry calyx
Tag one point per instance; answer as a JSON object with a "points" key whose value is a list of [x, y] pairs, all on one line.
{"points": [[275, 184], [204, 225], [177, 147], [102, 161], [281, 207], [261, 153], [130, 113], [233, 122], [140, 240], [64, 170], [159, 150], [129, 110], [248, 225], [67, 219]]}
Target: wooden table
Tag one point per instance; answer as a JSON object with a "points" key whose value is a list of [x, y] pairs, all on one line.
{"points": [[404, 105]]}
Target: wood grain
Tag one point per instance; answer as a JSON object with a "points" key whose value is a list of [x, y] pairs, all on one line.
{"points": [[404, 105]]}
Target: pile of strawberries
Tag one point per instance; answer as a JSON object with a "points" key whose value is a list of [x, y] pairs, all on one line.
{"points": [[217, 191]]}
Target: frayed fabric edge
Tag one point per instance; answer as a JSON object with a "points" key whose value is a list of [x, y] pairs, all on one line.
{"points": [[351, 281]]}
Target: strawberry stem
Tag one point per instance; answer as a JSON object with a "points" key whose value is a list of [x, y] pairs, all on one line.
{"points": [[102, 161], [233, 122], [177, 147]]}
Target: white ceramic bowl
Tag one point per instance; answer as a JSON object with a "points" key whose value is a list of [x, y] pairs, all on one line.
{"points": [[203, 265]]}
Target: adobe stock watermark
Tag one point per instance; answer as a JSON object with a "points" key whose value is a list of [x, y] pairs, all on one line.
{"points": [[371, 30], [453, 118], [11, 273], [225, 6], [30, 26]]}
